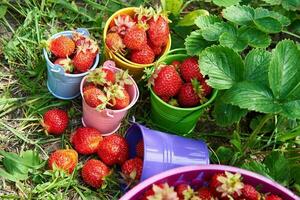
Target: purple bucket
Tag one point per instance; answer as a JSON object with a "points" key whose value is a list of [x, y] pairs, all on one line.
{"points": [[164, 151], [197, 175]]}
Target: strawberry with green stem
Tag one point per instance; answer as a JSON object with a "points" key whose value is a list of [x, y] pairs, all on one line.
{"points": [[143, 14], [189, 69], [121, 24], [102, 77], [250, 193], [55, 121], [119, 97], [66, 64], [115, 43], [184, 191], [143, 56], [63, 159], [132, 169], [161, 191], [95, 98], [61, 47]]}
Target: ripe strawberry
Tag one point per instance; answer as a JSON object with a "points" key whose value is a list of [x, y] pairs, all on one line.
{"points": [[250, 193], [83, 61], [143, 56], [167, 81], [139, 148], [189, 70], [55, 121], [165, 98], [181, 189], [161, 191], [110, 76], [88, 86], [135, 38], [121, 101], [121, 24], [204, 194], [94, 172], [114, 42], [64, 159], [176, 64], [150, 191], [94, 97], [66, 63], [272, 197], [62, 46], [86, 140], [142, 14], [133, 168], [158, 31], [113, 150], [156, 49], [102, 76], [78, 38], [206, 89]]}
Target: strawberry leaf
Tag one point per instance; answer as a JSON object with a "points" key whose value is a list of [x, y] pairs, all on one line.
{"points": [[273, 2], [234, 40], [268, 25], [255, 37], [3, 10], [205, 21], [223, 66], [257, 167], [195, 43], [291, 4], [226, 3], [172, 6], [214, 31], [262, 12], [189, 19], [241, 15], [291, 109]]}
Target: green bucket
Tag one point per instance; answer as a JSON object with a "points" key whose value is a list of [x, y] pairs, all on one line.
{"points": [[173, 119]]}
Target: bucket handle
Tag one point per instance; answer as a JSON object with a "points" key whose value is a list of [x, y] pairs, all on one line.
{"points": [[109, 113], [57, 69], [171, 52], [83, 31]]}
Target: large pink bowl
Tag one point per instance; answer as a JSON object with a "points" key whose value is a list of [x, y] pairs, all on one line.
{"points": [[197, 175]]}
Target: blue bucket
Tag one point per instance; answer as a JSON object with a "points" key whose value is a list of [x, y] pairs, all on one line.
{"points": [[63, 85]]}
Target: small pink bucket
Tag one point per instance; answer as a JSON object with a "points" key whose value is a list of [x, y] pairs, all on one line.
{"points": [[107, 121]]}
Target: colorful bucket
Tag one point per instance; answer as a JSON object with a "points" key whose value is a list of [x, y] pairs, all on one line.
{"points": [[163, 151], [197, 175], [63, 85], [107, 121], [135, 69], [171, 118]]}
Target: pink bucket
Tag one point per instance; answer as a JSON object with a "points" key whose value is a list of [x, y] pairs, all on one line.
{"points": [[107, 121], [197, 176]]}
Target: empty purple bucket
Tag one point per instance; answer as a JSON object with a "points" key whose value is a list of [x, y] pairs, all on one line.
{"points": [[164, 151], [199, 176]]}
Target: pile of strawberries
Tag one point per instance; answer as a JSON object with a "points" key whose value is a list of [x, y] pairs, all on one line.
{"points": [[75, 55], [222, 186], [111, 150], [141, 37], [180, 83], [107, 89]]}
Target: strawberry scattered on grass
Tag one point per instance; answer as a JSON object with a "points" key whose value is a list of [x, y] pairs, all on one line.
{"points": [[55, 121], [64, 159]]}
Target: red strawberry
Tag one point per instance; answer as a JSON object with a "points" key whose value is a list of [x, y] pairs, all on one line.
{"points": [[62, 46], [122, 101], [165, 98], [66, 63], [94, 97], [64, 159], [143, 56], [156, 49], [121, 24], [86, 140], [88, 86], [94, 173], [110, 76], [102, 76], [133, 168], [139, 148], [272, 197], [150, 191], [204, 194], [189, 70], [78, 38], [82, 61], [167, 81], [114, 42], [176, 64], [180, 189], [113, 150], [55, 121], [161, 191], [250, 193], [135, 38], [206, 89], [142, 14], [158, 31]]}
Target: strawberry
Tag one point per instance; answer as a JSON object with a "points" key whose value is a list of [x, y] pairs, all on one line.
{"points": [[143, 56], [113, 150], [119, 97], [55, 121], [95, 98], [206, 89], [166, 81], [66, 64], [160, 191], [133, 168], [204, 194], [250, 193], [114, 42], [64, 159], [110, 76], [142, 14], [94, 172], [121, 24], [88, 86], [139, 148], [158, 31], [184, 191], [272, 197], [156, 49], [165, 98], [83, 61], [86, 140], [62, 46], [135, 38], [102, 76], [176, 64], [189, 70], [78, 38]]}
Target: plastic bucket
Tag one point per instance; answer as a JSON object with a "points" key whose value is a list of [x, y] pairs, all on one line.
{"points": [[63, 85], [171, 118], [107, 121], [197, 175], [163, 151], [135, 69]]}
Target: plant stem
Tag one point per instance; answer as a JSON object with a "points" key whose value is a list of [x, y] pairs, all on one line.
{"points": [[186, 4], [292, 34]]}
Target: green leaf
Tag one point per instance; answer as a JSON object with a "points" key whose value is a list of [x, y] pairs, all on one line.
{"points": [[241, 15], [31, 159], [3, 10], [278, 166], [251, 96], [19, 171], [284, 73], [195, 43], [257, 64], [172, 6], [288, 136], [267, 128], [236, 141], [226, 3], [223, 66], [273, 2], [291, 109], [214, 31], [4, 174], [257, 167], [205, 21], [255, 37], [262, 13], [235, 40], [268, 25], [189, 19], [291, 4], [224, 154]]}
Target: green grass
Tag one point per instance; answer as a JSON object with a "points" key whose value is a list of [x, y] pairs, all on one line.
{"points": [[24, 98]]}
